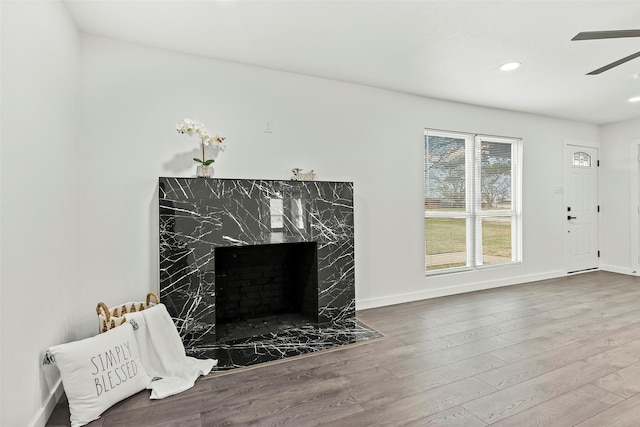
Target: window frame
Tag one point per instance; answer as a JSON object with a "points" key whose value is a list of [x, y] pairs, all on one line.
{"points": [[473, 213]]}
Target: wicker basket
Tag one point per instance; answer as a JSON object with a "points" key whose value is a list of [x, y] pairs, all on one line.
{"points": [[110, 318]]}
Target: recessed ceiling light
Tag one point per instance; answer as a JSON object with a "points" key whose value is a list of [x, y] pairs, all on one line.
{"points": [[635, 99], [510, 66]]}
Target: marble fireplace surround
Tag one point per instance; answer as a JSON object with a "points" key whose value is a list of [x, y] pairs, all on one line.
{"points": [[198, 215]]}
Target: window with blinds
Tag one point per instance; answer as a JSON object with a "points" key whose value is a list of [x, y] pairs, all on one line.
{"points": [[472, 201]]}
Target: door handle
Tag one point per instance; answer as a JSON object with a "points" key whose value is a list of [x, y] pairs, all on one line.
{"points": [[571, 217]]}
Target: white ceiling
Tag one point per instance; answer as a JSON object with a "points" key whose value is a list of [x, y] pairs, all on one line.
{"points": [[440, 49]]}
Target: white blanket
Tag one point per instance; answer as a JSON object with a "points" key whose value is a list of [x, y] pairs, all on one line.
{"points": [[162, 353]]}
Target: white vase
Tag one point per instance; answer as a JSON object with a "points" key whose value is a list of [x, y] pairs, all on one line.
{"points": [[203, 171]]}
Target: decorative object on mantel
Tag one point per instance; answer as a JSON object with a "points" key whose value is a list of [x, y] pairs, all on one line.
{"points": [[191, 127], [109, 319], [298, 175]]}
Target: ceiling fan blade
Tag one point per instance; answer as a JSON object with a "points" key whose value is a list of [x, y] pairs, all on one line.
{"points": [[615, 34], [614, 64]]}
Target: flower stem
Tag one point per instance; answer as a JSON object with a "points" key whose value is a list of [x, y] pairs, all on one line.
{"points": [[203, 160]]}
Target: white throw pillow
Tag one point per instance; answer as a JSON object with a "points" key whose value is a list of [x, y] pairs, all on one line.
{"points": [[100, 371]]}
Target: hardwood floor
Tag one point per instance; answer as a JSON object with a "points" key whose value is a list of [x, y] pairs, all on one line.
{"points": [[561, 352]]}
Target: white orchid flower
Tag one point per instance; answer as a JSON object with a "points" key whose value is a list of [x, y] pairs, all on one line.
{"points": [[192, 127]]}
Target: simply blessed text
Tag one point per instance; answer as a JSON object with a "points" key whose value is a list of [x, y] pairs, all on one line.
{"points": [[113, 367]]}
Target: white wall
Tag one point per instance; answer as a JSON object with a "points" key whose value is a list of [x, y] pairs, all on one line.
{"points": [[133, 96], [39, 209], [618, 165]]}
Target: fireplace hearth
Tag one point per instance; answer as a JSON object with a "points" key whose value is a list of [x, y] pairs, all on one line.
{"points": [[257, 270]]}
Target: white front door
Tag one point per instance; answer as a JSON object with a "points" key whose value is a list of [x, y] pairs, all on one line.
{"points": [[581, 208]]}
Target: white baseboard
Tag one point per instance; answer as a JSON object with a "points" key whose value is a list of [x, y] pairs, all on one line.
{"points": [[41, 417], [452, 290], [617, 269]]}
